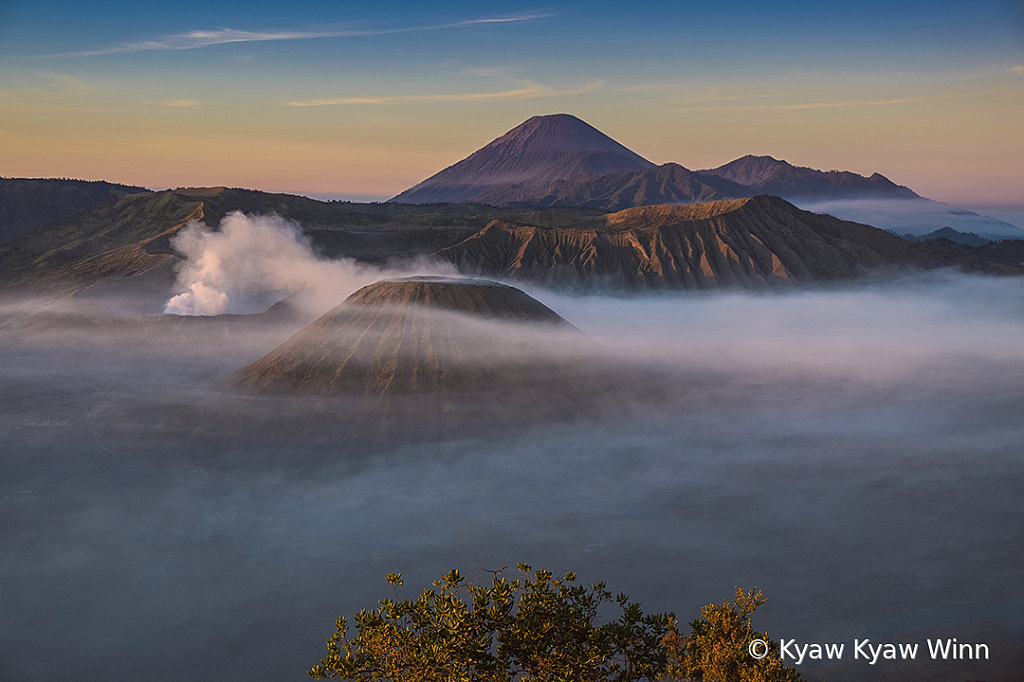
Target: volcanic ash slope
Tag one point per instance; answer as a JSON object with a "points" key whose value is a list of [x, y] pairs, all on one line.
{"points": [[410, 336], [443, 352]]}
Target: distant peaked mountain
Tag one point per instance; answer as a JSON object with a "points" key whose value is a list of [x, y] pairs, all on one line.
{"points": [[772, 176], [559, 160], [532, 155], [949, 234]]}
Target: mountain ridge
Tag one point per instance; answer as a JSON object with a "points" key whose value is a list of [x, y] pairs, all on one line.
{"points": [[27, 203], [726, 243], [762, 242], [769, 175]]}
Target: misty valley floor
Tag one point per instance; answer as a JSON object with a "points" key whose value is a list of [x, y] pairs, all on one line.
{"points": [[856, 453]]}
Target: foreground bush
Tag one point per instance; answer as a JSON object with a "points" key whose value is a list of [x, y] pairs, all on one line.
{"points": [[540, 628], [716, 650]]}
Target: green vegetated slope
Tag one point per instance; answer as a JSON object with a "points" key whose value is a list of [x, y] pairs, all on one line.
{"points": [[26, 203], [104, 242], [124, 235]]}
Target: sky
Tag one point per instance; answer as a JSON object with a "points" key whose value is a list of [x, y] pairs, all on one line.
{"points": [[362, 100]]}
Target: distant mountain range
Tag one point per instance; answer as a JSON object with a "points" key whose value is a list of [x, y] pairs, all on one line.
{"points": [[918, 217], [123, 245], [767, 175], [560, 160], [552, 202], [949, 234]]}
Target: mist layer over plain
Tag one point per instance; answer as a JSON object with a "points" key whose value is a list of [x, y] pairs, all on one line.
{"points": [[921, 216], [856, 453]]}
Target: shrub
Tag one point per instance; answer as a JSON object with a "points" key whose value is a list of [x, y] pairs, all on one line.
{"points": [[540, 628], [716, 650]]}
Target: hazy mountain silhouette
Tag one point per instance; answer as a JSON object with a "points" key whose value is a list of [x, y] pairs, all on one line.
{"points": [[532, 155], [767, 175], [917, 217], [560, 160], [1009, 251], [949, 234]]}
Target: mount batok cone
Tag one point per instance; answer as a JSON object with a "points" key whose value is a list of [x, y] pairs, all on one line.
{"points": [[424, 358], [420, 335]]}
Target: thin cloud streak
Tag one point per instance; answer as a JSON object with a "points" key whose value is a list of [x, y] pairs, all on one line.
{"points": [[204, 38], [529, 91], [804, 105]]}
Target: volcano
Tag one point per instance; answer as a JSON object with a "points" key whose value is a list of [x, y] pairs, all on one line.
{"points": [[430, 336], [409, 360], [560, 160], [527, 159]]}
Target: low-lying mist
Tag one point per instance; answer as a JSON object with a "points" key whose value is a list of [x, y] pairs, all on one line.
{"points": [[919, 216], [856, 453]]}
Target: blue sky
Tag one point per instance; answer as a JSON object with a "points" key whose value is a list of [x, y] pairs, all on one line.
{"points": [[361, 99]]}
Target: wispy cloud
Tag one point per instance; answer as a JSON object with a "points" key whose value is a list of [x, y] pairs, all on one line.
{"points": [[67, 82], [181, 103], [804, 105], [830, 105], [529, 90], [204, 38], [1018, 69], [488, 71]]}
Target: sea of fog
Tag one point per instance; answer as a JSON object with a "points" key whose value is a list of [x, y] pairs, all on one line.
{"points": [[857, 453], [920, 216]]}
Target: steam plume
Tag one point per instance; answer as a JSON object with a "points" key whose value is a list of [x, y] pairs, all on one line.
{"points": [[252, 262]]}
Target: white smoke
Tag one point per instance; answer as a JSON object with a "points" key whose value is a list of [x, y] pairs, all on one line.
{"points": [[252, 262]]}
